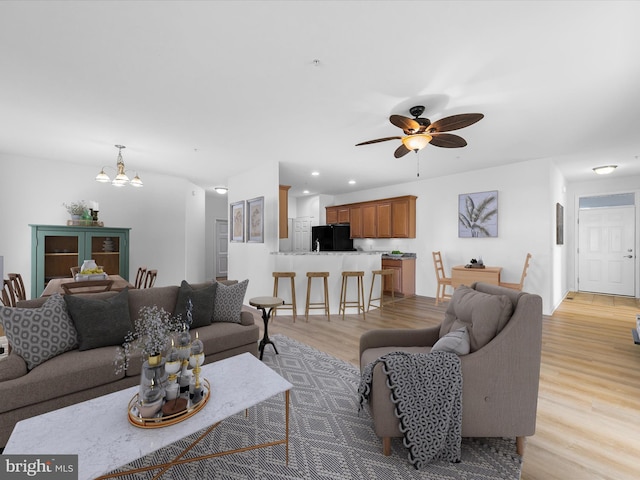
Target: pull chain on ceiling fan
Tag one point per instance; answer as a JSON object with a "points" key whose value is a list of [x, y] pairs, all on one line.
{"points": [[420, 132]]}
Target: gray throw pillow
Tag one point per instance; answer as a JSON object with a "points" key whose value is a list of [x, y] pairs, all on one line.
{"points": [[228, 303], [456, 342], [100, 322], [38, 334], [202, 300]]}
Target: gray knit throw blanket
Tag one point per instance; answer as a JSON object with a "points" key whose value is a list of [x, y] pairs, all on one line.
{"points": [[427, 392]]}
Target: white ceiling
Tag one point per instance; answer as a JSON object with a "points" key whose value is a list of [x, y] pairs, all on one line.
{"points": [[209, 89]]}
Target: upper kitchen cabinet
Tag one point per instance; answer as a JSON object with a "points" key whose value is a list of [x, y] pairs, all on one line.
{"points": [[386, 218]]}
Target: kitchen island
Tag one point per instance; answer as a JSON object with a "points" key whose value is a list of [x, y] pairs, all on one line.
{"points": [[333, 262]]}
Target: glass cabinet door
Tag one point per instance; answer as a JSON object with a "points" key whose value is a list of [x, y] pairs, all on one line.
{"points": [[106, 250]]}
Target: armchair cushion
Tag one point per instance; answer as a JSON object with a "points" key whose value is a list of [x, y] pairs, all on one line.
{"points": [[483, 314], [456, 341]]}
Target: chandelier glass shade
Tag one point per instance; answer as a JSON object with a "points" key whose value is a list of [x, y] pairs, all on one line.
{"points": [[121, 179], [416, 142]]}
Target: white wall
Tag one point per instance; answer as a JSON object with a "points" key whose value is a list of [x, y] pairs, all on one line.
{"points": [[253, 260], [164, 216], [614, 183], [524, 224]]}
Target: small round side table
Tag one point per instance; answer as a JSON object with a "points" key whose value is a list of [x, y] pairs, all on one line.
{"points": [[264, 303]]}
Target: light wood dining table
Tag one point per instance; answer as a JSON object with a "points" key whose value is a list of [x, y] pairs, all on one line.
{"points": [[55, 285], [461, 275]]}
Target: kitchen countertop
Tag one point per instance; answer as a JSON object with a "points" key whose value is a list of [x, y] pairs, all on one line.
{"points": [[406, 256]]}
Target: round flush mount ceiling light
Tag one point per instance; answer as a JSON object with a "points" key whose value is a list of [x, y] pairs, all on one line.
{"points": [[352, 182], [605, 169], [315, 173], [221, 190]]}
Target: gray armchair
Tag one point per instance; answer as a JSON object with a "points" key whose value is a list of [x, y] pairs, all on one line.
{"points": [[500, 374]]}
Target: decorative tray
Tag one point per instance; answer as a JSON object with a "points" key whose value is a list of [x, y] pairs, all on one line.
{"points": [[93, 276], [165, 420], [85, 223]]}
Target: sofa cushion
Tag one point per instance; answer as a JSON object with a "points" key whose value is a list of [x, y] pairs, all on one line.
{"points": [[483, 314], [202, 298], [456, 341], [228, 302], [222, 336], [68, 373], [161, 297], [100, 322], [38, 334]]}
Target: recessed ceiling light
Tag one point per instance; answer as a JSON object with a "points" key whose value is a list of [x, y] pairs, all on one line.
{"points": [[352, 182], [605, 169], [315, 174]]}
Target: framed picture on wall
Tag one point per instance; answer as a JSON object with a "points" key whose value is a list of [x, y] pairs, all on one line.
{"points": [[237, 221], [255, 220], [478, 214], [559, 224]]}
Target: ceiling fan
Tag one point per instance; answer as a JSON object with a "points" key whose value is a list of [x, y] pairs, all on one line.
{"points": [[419, 132]]}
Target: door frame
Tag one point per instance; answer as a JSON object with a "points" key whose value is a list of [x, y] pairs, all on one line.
{"points": [[576, 235]]}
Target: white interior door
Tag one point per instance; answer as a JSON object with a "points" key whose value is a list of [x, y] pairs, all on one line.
{"points": [[222, 248], [302, 234], [606, 250]]}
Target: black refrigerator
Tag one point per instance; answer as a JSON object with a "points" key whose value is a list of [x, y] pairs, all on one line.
{"points": [[332, 238]]}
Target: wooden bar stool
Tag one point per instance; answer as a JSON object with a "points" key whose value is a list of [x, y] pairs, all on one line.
{"points": [[343, 293], [382, 273], [292, 305], [317, 305]]}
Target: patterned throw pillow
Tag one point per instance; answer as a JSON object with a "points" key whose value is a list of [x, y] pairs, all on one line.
{"points": [[38, 334], [202, 300], [228, 303]]}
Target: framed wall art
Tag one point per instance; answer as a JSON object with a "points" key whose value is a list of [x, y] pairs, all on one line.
{"points": [[237, 221], [478, 214], [255, 220]]}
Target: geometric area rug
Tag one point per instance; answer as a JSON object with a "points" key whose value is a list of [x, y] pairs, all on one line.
{"points": [[328, 438]]}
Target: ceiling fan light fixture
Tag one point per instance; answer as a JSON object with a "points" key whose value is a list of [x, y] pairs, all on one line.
{"points": [[417, 141], [605, 169]]}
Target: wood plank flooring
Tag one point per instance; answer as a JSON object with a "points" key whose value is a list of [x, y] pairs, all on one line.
{"points": [[588, 424]]}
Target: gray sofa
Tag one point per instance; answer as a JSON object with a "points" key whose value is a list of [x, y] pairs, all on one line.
{"points": [[75, 376], [500, 373]]}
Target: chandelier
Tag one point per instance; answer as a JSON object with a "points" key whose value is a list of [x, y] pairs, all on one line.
{"points": [[121, 178]]}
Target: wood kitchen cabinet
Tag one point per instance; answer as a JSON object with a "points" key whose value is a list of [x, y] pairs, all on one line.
{"points": [[55, 249], [283, 212], [404, 278], [387, 218], [331, 216], [355, 222]]}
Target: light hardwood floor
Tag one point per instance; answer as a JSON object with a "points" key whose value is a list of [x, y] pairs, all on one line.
{"points": [[588, 424]]}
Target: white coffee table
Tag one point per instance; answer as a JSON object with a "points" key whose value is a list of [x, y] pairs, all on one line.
{"points": [[99, 432]]}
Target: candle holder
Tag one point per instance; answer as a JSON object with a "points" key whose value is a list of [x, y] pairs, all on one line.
{"points": [[94, 214]]}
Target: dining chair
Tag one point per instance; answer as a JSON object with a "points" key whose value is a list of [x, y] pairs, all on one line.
{"points": [[150, 278], [8, 296], [18, 286], [518, 286], [443, 280], [142, 271], [87, 286], [74, 271]]}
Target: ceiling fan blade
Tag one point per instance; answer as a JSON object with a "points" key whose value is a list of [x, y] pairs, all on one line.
{"points": [[447, 140], [401, 151], [455, 122], [378, 140], [408, 125]]}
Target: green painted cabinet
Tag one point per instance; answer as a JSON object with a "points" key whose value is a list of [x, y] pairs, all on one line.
{"points": [[55, 249]]}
